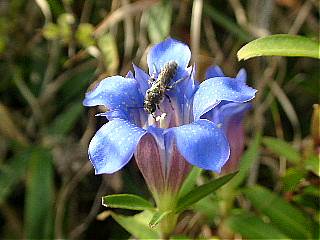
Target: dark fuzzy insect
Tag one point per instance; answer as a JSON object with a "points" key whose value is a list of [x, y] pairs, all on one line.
{"points": [[156, 93]]}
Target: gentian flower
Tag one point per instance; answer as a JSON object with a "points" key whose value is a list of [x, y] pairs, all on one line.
{"points": [[193, 131]]}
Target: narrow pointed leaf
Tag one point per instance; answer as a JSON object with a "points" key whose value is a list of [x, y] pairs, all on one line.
{"points": [[282, 148], [137, 225], [126, 201], [12, 173], [202, 191], [157, 217], [190, 181], [312, 164], [252, 227], [64, 122], [283, 215], [280, 45], [39, 196], [246, 162]]}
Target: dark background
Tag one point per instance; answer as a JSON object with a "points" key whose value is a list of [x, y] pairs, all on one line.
{"points": [[52, 50]]}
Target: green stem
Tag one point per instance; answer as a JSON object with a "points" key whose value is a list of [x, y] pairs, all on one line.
{"points": [[167, 202], [168, 225]]}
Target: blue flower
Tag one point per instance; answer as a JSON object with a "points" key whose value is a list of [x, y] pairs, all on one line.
{"points": [[193, 130]]}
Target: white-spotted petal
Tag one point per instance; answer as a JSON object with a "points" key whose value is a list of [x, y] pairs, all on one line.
{"points": [[202, 144], [115, 93], [168, 50], [214, 90], [113, 145]]}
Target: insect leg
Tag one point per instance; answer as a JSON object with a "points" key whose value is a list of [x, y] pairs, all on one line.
{"points": [[176, 83], [169, 99], [179, 80]]}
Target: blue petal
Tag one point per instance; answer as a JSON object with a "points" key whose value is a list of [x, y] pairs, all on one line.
{"points": [[168, 50], [226, 110], [192, 84], [110, 115], [129, 75], [242, 75], [214, 71], [214, 90], [233, 110], [142, 78], [202, 144], [113, 145], [158, 134], [115, 93]]}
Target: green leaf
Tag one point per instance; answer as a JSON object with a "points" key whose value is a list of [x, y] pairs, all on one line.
{"points": [[38, 216], [202, 191], [63, 123], [312, 164], [292, 178], [159, 21], [283, 215], [246, 162], [280, 45], [209, 207], [137, 225], [190, 181], [282, 148], [252, 227], [157, 217], [11, 173], [312, 190], [126, 201]]}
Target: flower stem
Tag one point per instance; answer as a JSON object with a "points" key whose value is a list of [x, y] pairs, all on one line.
{"points": [[168, 224], [167, 202]]}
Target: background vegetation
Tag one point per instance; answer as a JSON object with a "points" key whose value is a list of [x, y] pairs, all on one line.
{"points": [[52, 50]]}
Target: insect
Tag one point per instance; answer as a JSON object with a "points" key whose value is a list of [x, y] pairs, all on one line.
{"points": [[156, 93]]}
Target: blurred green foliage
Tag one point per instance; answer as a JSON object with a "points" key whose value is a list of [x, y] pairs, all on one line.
{"points": [[52, 51]]}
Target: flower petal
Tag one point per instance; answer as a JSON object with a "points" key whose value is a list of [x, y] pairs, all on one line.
{"points": [[168, 50], [214, 71], [149, 158], [110, 115], [129, 75], [214, 90], [202, 144], [191, 84], [115, 93], [222, 113], [113, 145], [235, 135], [232, 112], [231, 116], [242, 75], [142, 78]]}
